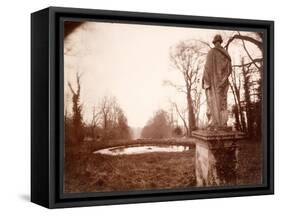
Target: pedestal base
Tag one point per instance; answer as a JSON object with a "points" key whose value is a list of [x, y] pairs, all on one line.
{"points": [[216, 157]]}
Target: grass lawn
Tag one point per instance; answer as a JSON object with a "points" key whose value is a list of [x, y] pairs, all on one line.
{"points": [[131, 172], [89, 172]]}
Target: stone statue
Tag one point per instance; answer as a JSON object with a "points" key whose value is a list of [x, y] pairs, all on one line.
{"points": [[215, 82]]}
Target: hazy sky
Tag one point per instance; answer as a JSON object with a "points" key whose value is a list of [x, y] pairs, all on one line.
{"points": [[127, 61]]}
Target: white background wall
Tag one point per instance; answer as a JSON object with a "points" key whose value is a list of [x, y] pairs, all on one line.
{"points": [[15, 107]]}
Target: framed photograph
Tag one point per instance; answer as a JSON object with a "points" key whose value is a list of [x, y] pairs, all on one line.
{"points": [[138, 107]]}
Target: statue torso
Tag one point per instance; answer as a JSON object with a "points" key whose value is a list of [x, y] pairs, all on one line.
{"points": [[217, 68]]}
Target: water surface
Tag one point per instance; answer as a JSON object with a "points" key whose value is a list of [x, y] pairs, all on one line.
{"points": [[123, 150]]}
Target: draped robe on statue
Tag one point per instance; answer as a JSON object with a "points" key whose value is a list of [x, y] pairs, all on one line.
{"points": [[215, 82]]}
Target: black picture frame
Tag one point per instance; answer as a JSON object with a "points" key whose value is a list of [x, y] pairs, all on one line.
{"points": [[47, 108]]}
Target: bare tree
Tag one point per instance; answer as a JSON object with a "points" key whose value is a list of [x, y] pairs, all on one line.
{"points": [[186, 57], [96, 121], [113, 120], [105, 106], [236, 86], [77, 120], [245, 84], [181, 113]]}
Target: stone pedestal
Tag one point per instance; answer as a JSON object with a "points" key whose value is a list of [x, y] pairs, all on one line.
{"points": [[216, 157]]}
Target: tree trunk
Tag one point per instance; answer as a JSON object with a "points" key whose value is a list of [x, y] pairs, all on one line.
{"points": [[191, 116], [247, 103], [235, 111]]}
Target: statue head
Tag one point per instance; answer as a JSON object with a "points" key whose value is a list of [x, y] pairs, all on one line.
{"points": [[217, 38]]}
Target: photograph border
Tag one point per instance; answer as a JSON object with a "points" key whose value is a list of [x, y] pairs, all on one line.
{"points": [[47, 93]]}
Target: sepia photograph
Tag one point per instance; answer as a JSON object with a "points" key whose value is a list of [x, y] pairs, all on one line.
{"points": [[151, 107]]}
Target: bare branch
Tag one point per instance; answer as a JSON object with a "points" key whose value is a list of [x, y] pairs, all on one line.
{"points": [[205, 43], [257, 60], [246, 50], [246, 38], [70, 87], [181, 116], [179, 88]]}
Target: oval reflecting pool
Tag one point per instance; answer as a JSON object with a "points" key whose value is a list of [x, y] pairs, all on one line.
{"points": [[128, 150]]}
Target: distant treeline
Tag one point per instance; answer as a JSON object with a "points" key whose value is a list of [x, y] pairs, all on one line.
{"points": [[108, 121], [161, 126]]}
